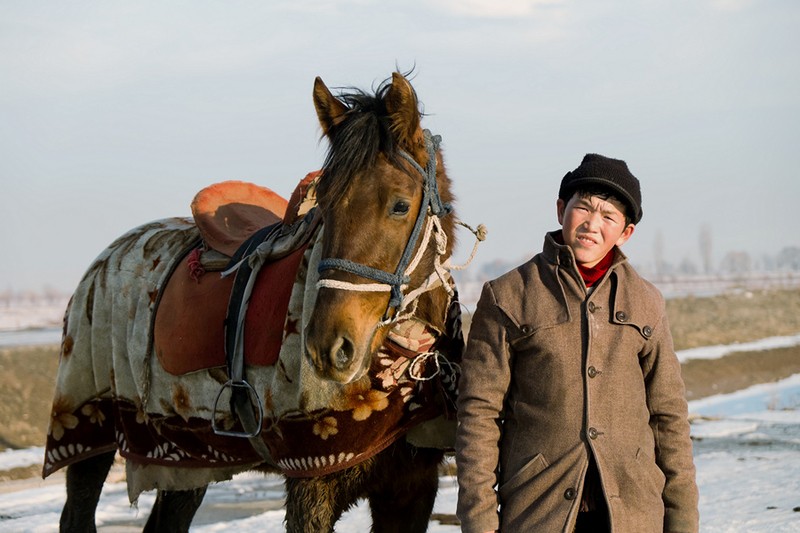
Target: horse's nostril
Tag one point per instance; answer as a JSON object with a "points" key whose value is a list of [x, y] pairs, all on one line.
{"points": [[342, 353]]}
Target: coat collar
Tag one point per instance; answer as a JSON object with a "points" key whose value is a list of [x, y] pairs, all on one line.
{"points": [[562, 256]]}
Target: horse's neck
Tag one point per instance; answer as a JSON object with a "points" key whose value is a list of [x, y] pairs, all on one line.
{"points": [[432, 308]]}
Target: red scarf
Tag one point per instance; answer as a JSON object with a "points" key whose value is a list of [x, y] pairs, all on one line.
{"points": [[592, 275]]}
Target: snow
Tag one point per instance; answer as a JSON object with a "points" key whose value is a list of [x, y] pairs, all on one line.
{"points": [[32, 314], [746, 447], [747, 452], [718, 351], [27, 323]]}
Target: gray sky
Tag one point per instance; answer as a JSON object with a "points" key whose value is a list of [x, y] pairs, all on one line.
{"points": [[116, 113]]}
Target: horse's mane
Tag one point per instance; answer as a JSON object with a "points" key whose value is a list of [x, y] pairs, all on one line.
{"points": [[356, 142]]}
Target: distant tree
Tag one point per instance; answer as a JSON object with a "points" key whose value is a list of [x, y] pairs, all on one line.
{"points": [[658, 253], [768, 263], [737, 263], [687, 267], [789, 259], [705, 248], [6, 297], [51, 294]]}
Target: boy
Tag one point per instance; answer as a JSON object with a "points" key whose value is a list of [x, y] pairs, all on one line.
{"points": [[571, 406]]}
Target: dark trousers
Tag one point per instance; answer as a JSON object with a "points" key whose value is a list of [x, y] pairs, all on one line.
{"points": [[593, 521]]}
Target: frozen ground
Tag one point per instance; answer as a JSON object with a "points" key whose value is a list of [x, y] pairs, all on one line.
{"points": [[747, 451], [32, 314]]}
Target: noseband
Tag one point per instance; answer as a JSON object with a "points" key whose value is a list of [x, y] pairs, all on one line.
{"points": [[395, 282]]}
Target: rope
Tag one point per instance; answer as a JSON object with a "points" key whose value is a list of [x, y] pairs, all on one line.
{"points": [[360, 287], [196, 269], [480, 236], [431, 208], [415, 368]]}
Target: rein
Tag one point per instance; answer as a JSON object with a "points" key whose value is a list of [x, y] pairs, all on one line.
{"points": [[434, 210]]}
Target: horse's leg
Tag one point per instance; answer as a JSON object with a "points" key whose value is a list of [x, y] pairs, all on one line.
{"points": [[404, 490], [84, 485], [314, 505], [174, 510]]}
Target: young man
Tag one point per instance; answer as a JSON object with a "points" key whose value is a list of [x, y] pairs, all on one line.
{"points": [[572, 414]]}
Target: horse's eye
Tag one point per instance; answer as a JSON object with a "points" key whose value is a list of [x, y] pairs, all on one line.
{"points": [[400, 208]]}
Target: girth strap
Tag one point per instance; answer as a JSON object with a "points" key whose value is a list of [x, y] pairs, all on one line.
{"points": [[246, 263]]}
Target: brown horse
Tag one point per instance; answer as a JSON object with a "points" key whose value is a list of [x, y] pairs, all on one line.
{"points": [[385, 204]]}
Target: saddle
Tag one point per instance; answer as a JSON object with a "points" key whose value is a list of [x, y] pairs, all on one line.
{"points": [[234, 218]]}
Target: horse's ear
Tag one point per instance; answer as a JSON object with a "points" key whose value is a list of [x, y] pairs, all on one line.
{"points": [[330, 111], [401, 104]]}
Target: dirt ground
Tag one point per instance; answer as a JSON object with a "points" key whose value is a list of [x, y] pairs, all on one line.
{"points": [[27, 374]]}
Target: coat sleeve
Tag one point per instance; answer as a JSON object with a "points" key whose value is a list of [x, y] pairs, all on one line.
{"points": [[670, 424], [484, 382]]}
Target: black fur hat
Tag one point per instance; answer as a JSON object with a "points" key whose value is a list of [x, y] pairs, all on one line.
{"points": [[612, 174]]}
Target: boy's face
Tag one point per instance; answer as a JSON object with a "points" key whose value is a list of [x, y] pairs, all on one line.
{"points": [[591, 226]]}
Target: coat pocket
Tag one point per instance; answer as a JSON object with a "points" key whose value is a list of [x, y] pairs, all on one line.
{"points": [[528, 471]]}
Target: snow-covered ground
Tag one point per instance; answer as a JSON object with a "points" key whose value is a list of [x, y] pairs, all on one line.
{"points": [[25, 323], [747, 451], [20, 315]]}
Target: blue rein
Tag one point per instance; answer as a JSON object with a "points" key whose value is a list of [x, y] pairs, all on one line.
{"points": [[431, 200]]}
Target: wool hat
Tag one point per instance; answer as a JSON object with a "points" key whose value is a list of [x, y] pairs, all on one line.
{"points": [[612, 174]]}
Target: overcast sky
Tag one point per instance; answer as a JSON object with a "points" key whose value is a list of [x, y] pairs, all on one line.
{"points": [[116, 113]]}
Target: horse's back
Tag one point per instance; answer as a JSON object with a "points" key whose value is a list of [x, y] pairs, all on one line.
{"points": [[106, 336]]}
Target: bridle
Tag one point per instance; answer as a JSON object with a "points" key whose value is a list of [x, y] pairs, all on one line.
{"points": [[395, 282]]}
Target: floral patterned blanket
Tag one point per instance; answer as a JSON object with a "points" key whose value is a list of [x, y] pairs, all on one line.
{"points": [[113, 393]]}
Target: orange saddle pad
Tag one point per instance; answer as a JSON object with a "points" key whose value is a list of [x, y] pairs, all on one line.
{"points": [[227, 213]]}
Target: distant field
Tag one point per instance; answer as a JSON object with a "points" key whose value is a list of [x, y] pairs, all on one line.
{"points": [[27, 374], [737, 317], [729, 318]]}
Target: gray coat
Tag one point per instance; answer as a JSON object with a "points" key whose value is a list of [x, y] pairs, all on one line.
{"points": [[553, 373]]}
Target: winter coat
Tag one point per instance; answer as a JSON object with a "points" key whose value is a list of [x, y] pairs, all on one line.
{"points": [[553, 373]]}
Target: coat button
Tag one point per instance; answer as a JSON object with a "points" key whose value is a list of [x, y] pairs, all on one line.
{"points": [[591, 307], [647, 331], [525, 329], [621, 316], [570, 494], [592, 371], [592, 433]]}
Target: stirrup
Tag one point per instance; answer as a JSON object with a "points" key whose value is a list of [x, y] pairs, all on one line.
{"points": [[234, 386]]}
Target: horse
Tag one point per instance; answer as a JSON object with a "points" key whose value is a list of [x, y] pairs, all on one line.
{"points": [[370, 342]]}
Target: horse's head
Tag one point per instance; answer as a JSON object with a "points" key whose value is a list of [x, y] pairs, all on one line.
{"points": [[382, 181]]}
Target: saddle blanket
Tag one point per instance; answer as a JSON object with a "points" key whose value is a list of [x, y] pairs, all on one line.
{"points": [[113, 392]]}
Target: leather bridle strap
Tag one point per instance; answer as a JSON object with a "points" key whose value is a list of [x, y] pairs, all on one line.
{"points": [[431, 205]]}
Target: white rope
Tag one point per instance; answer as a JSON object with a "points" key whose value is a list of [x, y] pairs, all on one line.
{"points": [[414, 369], [362, 287], [383, 287], [426, 237], [440, 277], [480, 236]]}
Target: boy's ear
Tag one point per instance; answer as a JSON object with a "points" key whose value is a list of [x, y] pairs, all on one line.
{"points": [[626, 234], [561, 207]]}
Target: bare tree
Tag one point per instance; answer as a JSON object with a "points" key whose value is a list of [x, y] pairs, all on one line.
{"points": [[705, 248], [789, 258], [658, 253], [737, 263]]}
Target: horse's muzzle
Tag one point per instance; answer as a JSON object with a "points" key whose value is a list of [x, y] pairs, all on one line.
{"points": [[336, 360]]}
